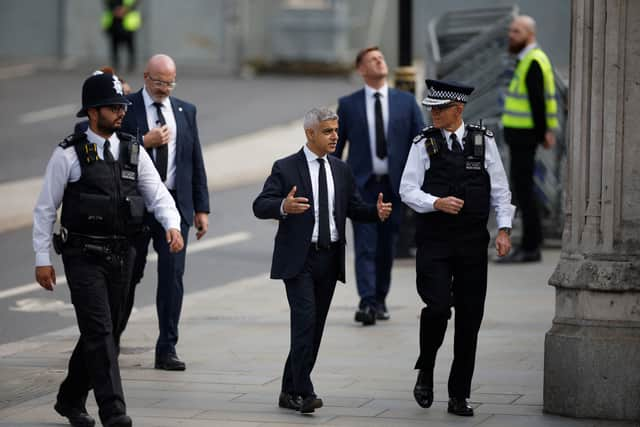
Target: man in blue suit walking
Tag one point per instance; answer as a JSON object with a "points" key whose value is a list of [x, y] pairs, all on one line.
{"points": [[379, 124], [169, 132]]}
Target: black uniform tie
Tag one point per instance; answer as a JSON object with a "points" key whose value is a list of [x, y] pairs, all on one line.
{"points": [[455, 145], [324, 235], [381, 140], [162, 152], [106, 152]]}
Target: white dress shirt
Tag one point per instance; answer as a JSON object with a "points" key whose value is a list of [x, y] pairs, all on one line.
{"points": [[418, 162], [314, 172], [152, 122], [380, 166], [64, 167]]}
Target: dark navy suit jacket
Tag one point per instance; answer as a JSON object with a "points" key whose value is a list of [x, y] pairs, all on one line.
{"points": [[405, 122], [192, 194], [293, 238]]}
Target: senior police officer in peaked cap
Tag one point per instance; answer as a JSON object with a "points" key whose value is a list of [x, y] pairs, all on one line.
{"points": [[104, 181], [453, 176]]}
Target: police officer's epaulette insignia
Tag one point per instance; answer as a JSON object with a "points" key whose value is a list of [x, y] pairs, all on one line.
{"points": [[90, 152], [419, 137], [71, 140], [488, 132]]}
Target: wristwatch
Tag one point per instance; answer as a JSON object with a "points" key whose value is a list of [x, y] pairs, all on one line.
{"points": [[506, 230]]}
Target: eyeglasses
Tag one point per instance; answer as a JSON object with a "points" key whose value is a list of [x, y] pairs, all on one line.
{"points": [[117, 108], [161, 83], [439, 108]]}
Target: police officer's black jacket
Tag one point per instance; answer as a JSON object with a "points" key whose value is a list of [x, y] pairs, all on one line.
{"points": [[462, 175], [105, 201]]}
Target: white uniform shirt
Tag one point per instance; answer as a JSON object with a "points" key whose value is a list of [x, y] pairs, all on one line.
{"points": [[152, 122], [64, 167], [314, 173], [418, 162], [380, 166]]}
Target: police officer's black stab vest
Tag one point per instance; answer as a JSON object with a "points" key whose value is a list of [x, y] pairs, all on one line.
{"points": [[105, 200], [461, 175]]}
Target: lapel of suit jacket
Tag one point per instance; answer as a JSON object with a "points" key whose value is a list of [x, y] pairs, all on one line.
{"points": [[361, 111], [181, 124], [303, 170], [140, 110], [393, 112]]}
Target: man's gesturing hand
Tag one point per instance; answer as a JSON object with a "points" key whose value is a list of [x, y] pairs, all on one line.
{"points": [[295, 205], [450, 205], [384, 209]]}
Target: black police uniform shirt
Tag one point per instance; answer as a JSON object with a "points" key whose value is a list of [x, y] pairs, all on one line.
{"points": [[418, 162], [64, 167]]}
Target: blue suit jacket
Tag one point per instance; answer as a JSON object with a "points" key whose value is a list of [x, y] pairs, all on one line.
{"points": [[294, 231], [405, 122], [192, 194]]}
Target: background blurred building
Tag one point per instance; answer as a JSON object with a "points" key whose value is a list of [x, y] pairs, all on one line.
{"points": [[223, 35]]}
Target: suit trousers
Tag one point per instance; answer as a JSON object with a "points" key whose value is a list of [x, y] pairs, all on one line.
{"points": [[309, 295], [522, 148], [170, 290], [99, 287], [452, 273], [375, 245]]}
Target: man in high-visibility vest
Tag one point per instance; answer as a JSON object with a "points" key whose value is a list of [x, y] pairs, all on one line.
{"points": [[121, 20], [529, 118]]}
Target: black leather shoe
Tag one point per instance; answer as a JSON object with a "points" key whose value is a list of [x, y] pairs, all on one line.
{"points": [[382, 314], [77, 417], [289, 401], [310, 404], [459, 407], [118, 421], [170, 362], [519, 256], [423, 391], [366, 315]]}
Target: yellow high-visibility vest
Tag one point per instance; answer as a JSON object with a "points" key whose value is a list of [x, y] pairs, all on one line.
{"points": [[131, 21], [517, 109]]}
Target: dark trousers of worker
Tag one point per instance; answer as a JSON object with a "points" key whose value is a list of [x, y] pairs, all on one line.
{"points": [[452, 273], [375, 245], [99, 287], [522, 148], [125, 38], [170, 290], [309, 295]]}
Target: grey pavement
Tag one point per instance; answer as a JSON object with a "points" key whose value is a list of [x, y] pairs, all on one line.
{"points": [[235, 340]]}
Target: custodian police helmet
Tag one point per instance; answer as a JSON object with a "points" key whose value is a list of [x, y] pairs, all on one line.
{"points": [[101, 89]]}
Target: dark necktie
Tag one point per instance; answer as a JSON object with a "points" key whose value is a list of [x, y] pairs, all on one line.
{"points": [[108, 157], [162, 152], [455, 145], [324, 236], [381, 141]]}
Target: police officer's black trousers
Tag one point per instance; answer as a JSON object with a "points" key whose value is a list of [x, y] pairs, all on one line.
{"points": [[452, 273], [98, 284]]}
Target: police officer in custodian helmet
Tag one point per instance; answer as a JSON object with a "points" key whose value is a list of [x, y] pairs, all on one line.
{"points": [[104, 181]]}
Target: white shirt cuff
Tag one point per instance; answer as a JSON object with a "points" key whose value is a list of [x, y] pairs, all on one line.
{"points": [[42, 259]]}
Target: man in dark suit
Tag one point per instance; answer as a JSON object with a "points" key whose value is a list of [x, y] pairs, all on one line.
{"points": [[169, 132], [311, 194], [379, 123]]}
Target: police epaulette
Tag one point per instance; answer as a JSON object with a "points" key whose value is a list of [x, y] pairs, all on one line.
{"points": [[71, 140], [424, 133], [483, 129]]}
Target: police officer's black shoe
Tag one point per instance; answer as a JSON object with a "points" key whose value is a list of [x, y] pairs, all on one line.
{"points": [[77, 417], [170, 362], [118, 421], [289, 401], [423, 391], [459, 407], [366, 315], [310, 404]]}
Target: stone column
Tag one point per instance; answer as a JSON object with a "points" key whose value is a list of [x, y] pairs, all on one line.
{"points": [[592, 351]]}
